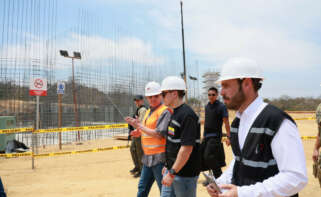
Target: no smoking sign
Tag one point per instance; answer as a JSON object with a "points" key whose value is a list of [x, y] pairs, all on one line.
{"points": [[38, 87]]}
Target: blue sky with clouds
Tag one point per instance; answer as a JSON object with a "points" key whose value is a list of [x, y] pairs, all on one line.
{"points": [[283, 36]]}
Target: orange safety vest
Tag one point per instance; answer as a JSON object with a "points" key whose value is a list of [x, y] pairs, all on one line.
{"points": [[152, 145]]}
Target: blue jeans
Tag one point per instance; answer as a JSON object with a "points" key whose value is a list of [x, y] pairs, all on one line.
{"points": [[147, 178], [2, 193], [181, 187]]}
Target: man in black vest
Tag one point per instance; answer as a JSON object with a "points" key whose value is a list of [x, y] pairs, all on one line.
{"points": [[268, 152], [136, 145], [213, 150]]}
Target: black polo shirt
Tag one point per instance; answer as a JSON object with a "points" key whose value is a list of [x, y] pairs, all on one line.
{"points": [[184, 130]]}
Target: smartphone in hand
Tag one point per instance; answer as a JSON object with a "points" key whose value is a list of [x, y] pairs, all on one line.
{"points": [[211, 179]]}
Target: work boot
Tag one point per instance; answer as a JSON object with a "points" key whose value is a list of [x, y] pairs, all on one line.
{"points": [[137, 175], [134, 170]]}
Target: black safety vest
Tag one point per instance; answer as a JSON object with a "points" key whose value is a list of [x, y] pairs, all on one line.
{"points": [[255, 162], [213, 119]]}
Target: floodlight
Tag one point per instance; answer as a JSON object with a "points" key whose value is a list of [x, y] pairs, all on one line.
{"points": [[77, 55], [192, 78], [64, 53]]}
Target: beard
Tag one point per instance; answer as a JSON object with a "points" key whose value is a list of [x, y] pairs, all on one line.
{"points": [[235, 101]]}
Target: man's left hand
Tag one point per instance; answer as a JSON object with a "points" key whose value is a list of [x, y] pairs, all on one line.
{"points": [[167, 180], [133, 121]]}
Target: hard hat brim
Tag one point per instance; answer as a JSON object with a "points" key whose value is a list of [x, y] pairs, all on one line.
{"points": [[153, 94], [219, 81]]}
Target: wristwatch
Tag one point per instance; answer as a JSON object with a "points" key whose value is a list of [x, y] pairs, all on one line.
{"points": [[172, 171]]}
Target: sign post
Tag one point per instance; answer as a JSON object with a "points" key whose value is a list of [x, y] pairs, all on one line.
{"points": [[60, 92], [38, 87]]}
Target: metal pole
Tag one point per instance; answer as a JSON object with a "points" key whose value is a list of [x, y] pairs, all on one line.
{"points": [[34, 135], [75, 99], [59, 117], [183, 43]]}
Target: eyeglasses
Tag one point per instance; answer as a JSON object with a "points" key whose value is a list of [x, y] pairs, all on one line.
{"points": [[211, 95], [164, 93]]}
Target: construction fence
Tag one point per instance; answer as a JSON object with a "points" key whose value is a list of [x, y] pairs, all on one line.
{"points": [[99, 87]]}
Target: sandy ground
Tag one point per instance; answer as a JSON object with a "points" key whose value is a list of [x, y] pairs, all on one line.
{"points": [[105, 173]]}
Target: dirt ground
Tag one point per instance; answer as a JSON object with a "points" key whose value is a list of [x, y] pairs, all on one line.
{"points": [[103, 174]]}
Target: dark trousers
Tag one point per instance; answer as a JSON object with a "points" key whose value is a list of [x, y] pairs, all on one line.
{"points": [[136, 152], [2, 193], [213, 156]]}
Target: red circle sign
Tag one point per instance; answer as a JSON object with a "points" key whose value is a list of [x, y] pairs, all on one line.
{"points": [[38, 83]]}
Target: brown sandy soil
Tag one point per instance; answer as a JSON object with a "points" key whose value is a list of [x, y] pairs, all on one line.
{"points": [[105, 173]]}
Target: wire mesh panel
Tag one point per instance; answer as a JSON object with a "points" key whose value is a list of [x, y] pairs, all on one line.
{"points": [[111, 67]]}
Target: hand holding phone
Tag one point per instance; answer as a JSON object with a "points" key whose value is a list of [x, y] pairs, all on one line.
{"points": [[211, 179]]}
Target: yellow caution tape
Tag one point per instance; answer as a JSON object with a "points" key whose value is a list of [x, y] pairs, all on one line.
{"points": [[308, 137], [62, 153], [9, 155], [301, 112], [64, 129], [302, 137], [308, 118], [16, 130], [84, 128]]}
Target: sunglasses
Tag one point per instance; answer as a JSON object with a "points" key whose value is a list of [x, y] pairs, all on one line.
{"points": [[211, 95]]}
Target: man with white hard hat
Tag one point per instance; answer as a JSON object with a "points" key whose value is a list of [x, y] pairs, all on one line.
{"points": [[268, 153], [183, 141], [152, 129]]}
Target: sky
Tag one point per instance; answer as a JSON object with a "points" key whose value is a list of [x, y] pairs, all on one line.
{"points": [[283, 36]]}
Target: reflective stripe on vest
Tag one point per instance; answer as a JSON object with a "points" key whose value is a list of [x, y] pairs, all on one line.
{"points": [[266, 131], [256, 164], [152, 145]]}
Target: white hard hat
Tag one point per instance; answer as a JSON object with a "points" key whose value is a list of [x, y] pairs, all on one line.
{"points": [[152, 88], [239, 68], [173, 83]]}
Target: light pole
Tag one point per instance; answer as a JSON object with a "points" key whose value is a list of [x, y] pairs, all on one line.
{"points": [[77, 55], [183, 43]]}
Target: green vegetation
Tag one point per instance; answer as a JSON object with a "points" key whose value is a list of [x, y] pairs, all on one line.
{"points": [[295, 104]]}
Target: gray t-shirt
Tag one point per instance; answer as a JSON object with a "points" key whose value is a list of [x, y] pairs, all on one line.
{"points": [[161, 127]]}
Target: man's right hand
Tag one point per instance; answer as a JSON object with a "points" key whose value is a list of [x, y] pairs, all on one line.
{"points": [[211, 190]]}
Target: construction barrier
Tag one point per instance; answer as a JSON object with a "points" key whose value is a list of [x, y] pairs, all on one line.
{"points": [[10, 155], [16, 130], [301, 112], [302, 137], [310, 118], [85, 128], [64, 129]]}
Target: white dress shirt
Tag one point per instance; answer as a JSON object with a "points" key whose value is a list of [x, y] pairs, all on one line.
{"points": [[287, 150]]}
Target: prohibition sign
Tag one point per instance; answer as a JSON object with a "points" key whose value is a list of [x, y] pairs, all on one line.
{"points": [[38, 83]]}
